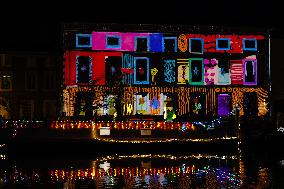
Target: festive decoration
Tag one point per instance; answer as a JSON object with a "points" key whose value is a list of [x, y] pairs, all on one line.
{"points": [[121, 63], [182, 43], [141, 70], [169, 71], [154, 71], [183, 71]]}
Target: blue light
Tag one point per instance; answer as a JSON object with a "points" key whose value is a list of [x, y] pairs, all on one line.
{"points": [[250, 48], [202, 44], [118, 46], [174, 38], [145, 81], [80, 35], [223, 39], [169, 71]]}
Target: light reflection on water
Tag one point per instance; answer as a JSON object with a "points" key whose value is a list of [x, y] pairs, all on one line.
{"points": [[136, 171]]}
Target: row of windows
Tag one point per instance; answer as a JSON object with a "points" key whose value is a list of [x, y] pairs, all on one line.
{"points": [[142, 104], [196, 45], [193, 71], [8, 60], [30, 81]]}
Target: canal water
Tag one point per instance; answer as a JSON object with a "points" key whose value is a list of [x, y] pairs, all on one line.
{"points": [[243, 169]]}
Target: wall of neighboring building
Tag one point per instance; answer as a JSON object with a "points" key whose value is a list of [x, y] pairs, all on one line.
{"points": [[35, 84]]}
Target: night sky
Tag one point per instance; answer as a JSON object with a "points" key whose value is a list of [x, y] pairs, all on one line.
{"points": [[36, 26]]}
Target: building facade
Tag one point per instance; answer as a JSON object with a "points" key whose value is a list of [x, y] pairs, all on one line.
{"points": [[29, 85], [164, 72]]}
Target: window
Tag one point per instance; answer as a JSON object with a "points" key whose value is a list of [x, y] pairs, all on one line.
{"points": [[196, 71], [141, 70], [49, 80], [223, 44], [113, 70], [5, 60], [169, 71], [250, 71], [250, 104], [113, 41], [31, 80], [250, 44], [83, 69], [6, 82], [141, 44], [168, 105], [27, 109], [169, 44], [196, 45], [105, 105], [224, 104], [49, 109], [83, 40], [41, 60], [141, 104], [224, 77]]}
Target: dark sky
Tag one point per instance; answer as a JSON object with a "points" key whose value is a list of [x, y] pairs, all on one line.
{"points": [[36, 26]]}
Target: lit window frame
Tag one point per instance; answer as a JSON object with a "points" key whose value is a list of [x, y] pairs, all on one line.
{"points": [[113, 46], [202, 44], [223, 39], [165, 38], [86, 36], [148, 43], [247, 48]]}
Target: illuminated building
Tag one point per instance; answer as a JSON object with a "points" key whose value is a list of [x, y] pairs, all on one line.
{"points": [[156, 72]]}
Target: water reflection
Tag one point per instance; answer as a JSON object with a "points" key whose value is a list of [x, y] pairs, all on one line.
{"points": [[138, 171]]}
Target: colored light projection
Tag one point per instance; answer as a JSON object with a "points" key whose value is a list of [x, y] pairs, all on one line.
{"points": [[119, 41], [249, 44], [106, 105], [250, 71], [182, 43], [196, 71], [141, 70], [224, 103], [154, 72], [250, 101], [142, 44], [196, 45], [183, 97], [236, 72], [127, 69], [83, 40], [210, 72], [169, 71], [183, 71], [169, 44], [83, 69], [113, 41], [224, 72], [113, 69], [141, 104], [223, 44], [143, 61], [168, 104], [197, 105]]}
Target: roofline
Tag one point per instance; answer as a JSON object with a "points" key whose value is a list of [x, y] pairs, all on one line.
{"points": [[89, 26], [27, 53]]}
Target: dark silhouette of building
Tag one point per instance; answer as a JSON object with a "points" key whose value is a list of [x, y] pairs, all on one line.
{"points": [[29, 85]]}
